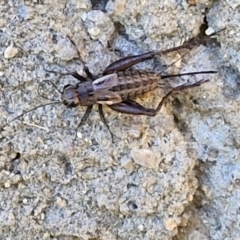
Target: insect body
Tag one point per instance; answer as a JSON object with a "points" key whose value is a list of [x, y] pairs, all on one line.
{"points": [[110, 89], [118, 91], [119, 86]]}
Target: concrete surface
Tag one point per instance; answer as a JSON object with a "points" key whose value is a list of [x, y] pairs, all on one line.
{"points": [[174, 176]]}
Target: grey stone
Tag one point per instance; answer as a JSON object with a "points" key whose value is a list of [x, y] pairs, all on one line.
{"points": [[52, 187]]}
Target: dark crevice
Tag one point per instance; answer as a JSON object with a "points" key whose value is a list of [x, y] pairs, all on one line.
{"points": [[204, 26], [99, 5], [211, 42], [119, 28], [18, 155], [192, 209], [132, 205]]}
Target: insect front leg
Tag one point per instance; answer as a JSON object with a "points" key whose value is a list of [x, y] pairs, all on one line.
{"points": [[86, 69], [134, 108], [74, 74]]}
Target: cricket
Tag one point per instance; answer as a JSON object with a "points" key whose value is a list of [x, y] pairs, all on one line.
{"points": [[119, 85]]}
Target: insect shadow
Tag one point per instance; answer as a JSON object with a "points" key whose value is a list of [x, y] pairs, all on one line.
{"points": [[119, 85]]}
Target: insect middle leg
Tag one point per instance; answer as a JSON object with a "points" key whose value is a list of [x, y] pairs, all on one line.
{"points": [[103, 119], [134, 108], [84, 118]]}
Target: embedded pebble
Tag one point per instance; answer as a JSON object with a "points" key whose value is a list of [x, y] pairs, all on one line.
{"points": [[127, 164], [61, 202], [16, 178], [135, 131], [99, 25], [140, 227], [185, 219], [209, 31], [46, 235], [79, 135], [94, 32], [206, 191], [84, 4], [233, 3], [7, 184], [10, 52], [170, 224], [145, 157], [11, 218]]}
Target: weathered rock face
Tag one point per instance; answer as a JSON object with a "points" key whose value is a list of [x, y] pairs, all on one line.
{"points": [[178, 169]]}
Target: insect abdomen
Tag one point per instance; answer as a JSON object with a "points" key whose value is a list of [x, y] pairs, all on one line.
{"points": [[133, 83]]}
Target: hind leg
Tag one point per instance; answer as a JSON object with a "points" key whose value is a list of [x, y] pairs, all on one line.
{"points": [[134, 108]]}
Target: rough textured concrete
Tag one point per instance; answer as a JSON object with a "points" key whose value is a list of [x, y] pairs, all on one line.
{"points": [[174, 175]]}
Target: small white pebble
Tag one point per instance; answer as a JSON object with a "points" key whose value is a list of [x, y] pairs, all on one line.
{"points": [[94, 32], [140, 227], [79, 135], [61, 202], [7, 184], [10, 51], [25, 201], [46, 235], [209, 31]]}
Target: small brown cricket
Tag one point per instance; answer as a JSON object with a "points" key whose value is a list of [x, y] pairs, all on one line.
{"points": [[120, 85]]}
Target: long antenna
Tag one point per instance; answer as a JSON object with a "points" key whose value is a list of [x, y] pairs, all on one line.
{"points": [[33, 109], [39, 93], [195, 41]]}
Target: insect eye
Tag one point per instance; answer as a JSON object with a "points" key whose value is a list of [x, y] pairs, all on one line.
{"points": [[69, 104]]}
